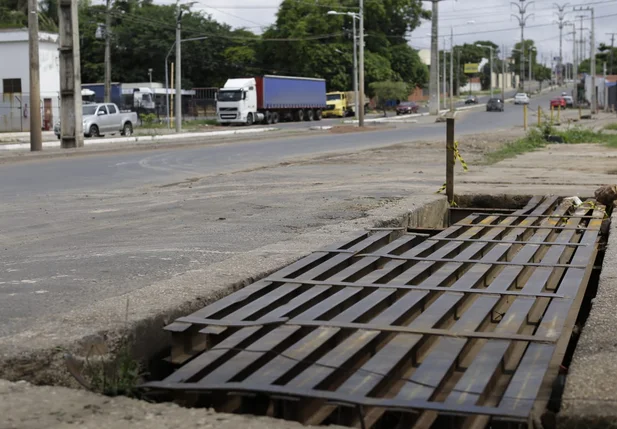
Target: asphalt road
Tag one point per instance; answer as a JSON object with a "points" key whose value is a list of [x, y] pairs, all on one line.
{"points": [[81, 229], [123, 169]]}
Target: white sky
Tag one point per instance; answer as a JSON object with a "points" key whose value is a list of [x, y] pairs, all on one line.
{"points": [[493, 21]]}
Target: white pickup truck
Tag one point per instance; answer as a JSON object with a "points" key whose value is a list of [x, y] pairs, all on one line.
{"points": [[101, 119]]}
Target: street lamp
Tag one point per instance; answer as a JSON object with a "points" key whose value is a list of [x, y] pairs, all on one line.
{"points": [[490, 79], [355, 17]]}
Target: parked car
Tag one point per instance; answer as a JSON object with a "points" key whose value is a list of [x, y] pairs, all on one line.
{"points": [[495, 105], [407, 107], [569, 101], [564, 93], [101, 119], [558, 102], [472, 99], [521, 98]]}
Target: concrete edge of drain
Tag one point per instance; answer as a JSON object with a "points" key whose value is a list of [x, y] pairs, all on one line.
{"points": [[37, 354], [590, 394]]}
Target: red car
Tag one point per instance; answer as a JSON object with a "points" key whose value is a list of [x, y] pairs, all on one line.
{"points": [[558, 102], [407, 107]]}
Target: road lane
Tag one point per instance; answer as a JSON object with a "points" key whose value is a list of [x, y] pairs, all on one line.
{"points": [[130, 169]]}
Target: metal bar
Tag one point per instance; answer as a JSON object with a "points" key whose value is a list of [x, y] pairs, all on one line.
{"points": [[409, 287], [423, 331], [529, 227], [543, 216], [468, 261], [391, 404], [479, 240]]}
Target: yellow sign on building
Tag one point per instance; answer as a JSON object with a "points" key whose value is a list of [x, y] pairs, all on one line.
{"points": [[471, 68]]}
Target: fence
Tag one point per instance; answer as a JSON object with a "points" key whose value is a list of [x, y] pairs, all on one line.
{"points": [[203, 103], [15, 111]]}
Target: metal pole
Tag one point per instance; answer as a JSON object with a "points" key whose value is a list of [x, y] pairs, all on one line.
{"points": [[605, 90], [530, 68], [434, 72], [361, 66], [451, 69], [36, 139], [167, 85], [503, 76], [444, 72], [490, 79], [355, 66], [594, 98], [450, 159], [107, 90], [178, 109]]}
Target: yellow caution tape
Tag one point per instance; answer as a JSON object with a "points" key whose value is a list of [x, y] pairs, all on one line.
{"points": [[592, 206], [457, 156]]}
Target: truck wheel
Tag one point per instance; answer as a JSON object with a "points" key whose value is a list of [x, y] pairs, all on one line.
{"points": [[268, 117], [309, 114], [127, 130], [249, 119], [318, 114], [93, 131], [275, 117], [300, 115]]}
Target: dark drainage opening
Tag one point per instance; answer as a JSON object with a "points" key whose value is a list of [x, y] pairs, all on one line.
{"points": [[346, 304]]}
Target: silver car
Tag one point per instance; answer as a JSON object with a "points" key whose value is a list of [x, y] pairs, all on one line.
{"points": [[105, 118], [521, 98]]}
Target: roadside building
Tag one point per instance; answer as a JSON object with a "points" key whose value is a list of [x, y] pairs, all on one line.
{"points": [[15, 80]]}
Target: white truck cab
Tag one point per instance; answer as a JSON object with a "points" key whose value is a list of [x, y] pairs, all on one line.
{"points": [[237, 102]]}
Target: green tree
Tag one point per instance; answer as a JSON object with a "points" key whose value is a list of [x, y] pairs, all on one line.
{"points": [[516, 55], [388, 91]]}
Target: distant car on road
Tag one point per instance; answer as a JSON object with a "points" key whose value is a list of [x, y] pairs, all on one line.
{"points": [[521, 98], [558, 102], [569, 101], [564, 93], [472, 99], [406, 108], [495, 105]]}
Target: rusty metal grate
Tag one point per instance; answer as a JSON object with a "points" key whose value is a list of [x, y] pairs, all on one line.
{"points": [[468, 325]]}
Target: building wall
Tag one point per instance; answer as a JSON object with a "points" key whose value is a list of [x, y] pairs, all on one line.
{"points": [[15, 107]]}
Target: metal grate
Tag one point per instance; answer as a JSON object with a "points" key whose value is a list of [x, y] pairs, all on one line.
{"points": [[468, 325]]}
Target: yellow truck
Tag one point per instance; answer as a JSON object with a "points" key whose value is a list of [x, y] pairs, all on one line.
{"points": [[340, 104]]}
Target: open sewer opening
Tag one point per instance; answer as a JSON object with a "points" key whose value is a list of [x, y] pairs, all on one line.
{"points": [[472, 324]]}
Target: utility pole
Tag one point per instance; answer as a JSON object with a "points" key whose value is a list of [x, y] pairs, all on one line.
{"points": [[355, 69], [361, 66], [592, 59], [451, 69], [107, 93], [503, 75], [72, 133], [574, 73], [178, 107], [445, 63], [561, 14], [610, 66], [605, 95], [522, 20], [582, 41], [36, 139], [434, 70]]}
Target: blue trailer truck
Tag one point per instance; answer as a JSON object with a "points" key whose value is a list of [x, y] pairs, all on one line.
{"points": [[270, 99]]}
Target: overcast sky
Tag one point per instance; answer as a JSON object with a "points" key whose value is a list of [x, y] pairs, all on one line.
{"points": [[493, 21]]}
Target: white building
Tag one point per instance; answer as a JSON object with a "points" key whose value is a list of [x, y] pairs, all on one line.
{"points": [[15, 80]]}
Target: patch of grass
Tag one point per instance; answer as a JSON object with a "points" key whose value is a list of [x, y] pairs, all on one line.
{"points": [[200, 123], [612, 127], [538, 137], [532, 141]]}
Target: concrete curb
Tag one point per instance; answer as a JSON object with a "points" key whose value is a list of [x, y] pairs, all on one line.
{"points": [[145, 139], [591, 390]]}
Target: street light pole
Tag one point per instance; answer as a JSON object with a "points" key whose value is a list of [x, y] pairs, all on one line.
{"points": [[361, 74], [355, 65], [531, 49], [178, 107], [451, 69]]}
